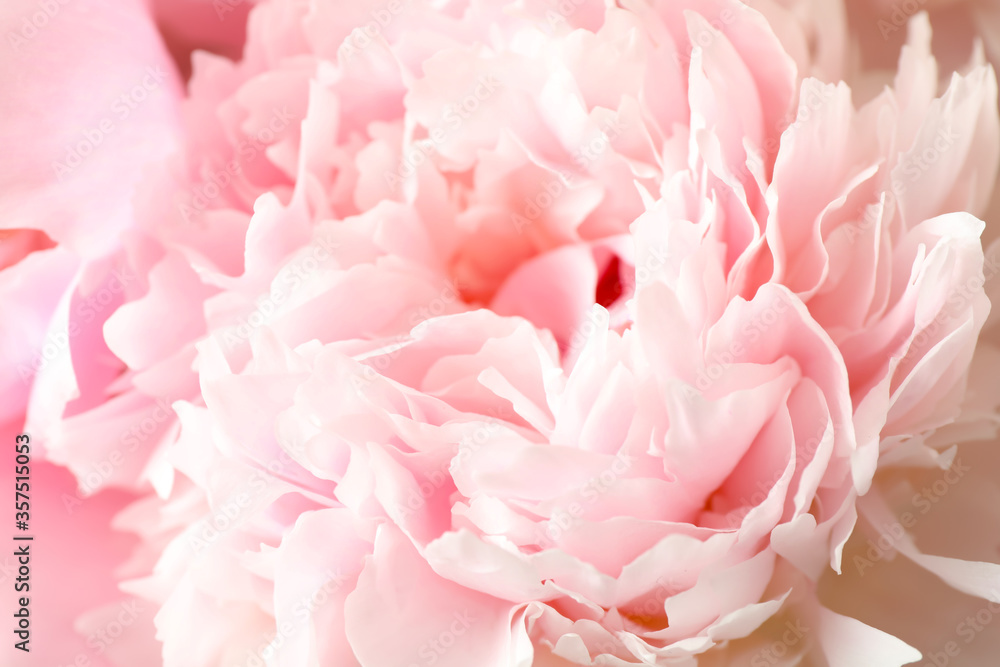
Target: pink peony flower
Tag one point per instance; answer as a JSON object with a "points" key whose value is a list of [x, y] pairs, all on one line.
{"points": [[522, 333], [73, 149]]}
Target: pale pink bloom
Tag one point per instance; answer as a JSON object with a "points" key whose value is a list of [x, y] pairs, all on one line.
{"points": [[73, 149], [498, 334], [74, 181]]}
